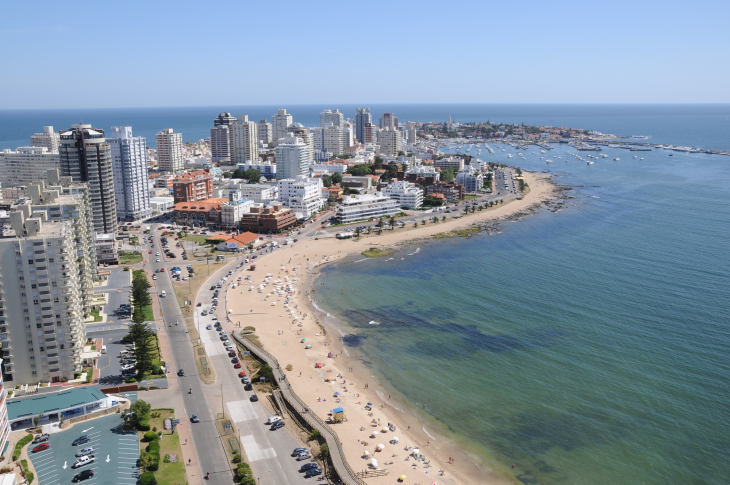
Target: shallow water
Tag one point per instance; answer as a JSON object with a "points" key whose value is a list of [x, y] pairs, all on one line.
{"points": [[587, 346]]}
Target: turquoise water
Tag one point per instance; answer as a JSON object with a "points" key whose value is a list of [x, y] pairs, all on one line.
{"points": [[588, 346]]}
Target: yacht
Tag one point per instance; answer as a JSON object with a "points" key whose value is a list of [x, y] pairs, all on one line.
{"points": [[589, 163], [617, 159]]}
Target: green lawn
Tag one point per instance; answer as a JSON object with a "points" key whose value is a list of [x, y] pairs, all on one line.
{"points": [[168, 473], [129, 257], [134, 241], [95, 314], [195, 238], [471, 197]]}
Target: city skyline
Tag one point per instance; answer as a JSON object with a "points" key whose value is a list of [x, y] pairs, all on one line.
{"points": [[474, 53]]}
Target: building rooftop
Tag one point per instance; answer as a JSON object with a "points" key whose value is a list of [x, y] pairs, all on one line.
{"points": [[53, 402]]}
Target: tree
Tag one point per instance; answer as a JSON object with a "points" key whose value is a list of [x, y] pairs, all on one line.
{"points": [[239, 174], [227, 175], [358, 231], [336, 178], [380, 222], [415, 225], [139, 412], [401, 153], [327, 181], [435, 219], [143, 338], [392, 222], [443, 219], [447, 174], [324, 451], [253, 175], [359, 170]]}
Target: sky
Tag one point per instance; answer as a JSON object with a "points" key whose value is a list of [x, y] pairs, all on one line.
{"points": [[83, 54]]}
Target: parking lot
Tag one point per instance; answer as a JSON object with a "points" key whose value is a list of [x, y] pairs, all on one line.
{"points": [[116, 454], [110, 372]]}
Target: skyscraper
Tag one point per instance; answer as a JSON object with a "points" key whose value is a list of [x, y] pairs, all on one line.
{"points": [[298, 130], [390, 141], [331, 117], [280, 122], [47, 139], [220, 148], [129, 163], [226, 119], [86, 157], [388, 120], [411, 130], [245, 140], [292, 158], [169, 151], [265, 132], [362, 117]]}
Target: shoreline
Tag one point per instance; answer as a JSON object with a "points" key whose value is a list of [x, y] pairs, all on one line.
{"points": [[280, 325]]}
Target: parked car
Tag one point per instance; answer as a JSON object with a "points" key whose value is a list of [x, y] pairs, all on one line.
{"points": [[254, 398], [41, 438], [84, 460], [235, 359], [195, 418], [299, 450], [81, 440], [306, 455], [313, 472], [41, 447], [237, 365], [209, 327], [277, 425], [308, 466], [273, 419], [83, 475], [85, 451]]}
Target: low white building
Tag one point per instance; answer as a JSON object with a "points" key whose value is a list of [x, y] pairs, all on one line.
{"points": [[303, 195], [406, 193], [259, 193], [160, 205], [363, 207], [328, 167], [232, 211]]}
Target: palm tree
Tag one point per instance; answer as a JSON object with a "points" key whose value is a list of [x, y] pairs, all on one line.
{"points": [[481, 207], [435, 219], [357, 232], [443, 219], [380, 231], [392, 222], [380, 222], [423, 222], [415, 225]]}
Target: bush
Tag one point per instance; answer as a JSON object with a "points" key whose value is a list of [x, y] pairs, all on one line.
{"points": [[154, 447], [19, 446], [324, 451], [315, 435], [130, 380], [289, 367], [147, 478], [267, 372], [244, 475], [143, 426], [150, 436], [237, 459]]}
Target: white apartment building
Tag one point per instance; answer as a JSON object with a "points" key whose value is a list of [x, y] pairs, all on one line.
{"points": [[266, 132], [470, 179], [129, 167], [47, 139], [279, 123], [292, 158], [258, 193], [267, 169], [425, 171], [390, 141], [407, 194], [26, 165], [220, 144], [106, 249], [328, 168], [363, 207], [161, 205], [169, 151], [42, 332], [245, 140], [331, 117], [298, 130], [232, 211], [449, 162], [411, 131], [303, 195]]}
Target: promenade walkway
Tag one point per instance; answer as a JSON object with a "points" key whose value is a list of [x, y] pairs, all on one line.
{"points": [[346, 473]]}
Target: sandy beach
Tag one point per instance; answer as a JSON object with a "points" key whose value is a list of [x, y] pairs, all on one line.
{"points": [[281, 328]]}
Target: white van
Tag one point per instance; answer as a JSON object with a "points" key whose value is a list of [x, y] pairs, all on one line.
{"points": [[273, 419], [163, 294], [103, 349]]}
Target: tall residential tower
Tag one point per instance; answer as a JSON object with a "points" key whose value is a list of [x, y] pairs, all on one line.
{"points": [[129, 162], [169, 151]]}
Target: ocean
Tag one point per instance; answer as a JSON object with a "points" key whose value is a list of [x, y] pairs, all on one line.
{"points": [[586, 346]]}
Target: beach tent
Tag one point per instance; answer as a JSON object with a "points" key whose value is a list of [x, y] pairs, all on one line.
{"points": [[394, 441], [338, 415]]}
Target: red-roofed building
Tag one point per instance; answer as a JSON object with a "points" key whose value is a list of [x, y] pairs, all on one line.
{"points": [[237, 242], [206, 211], [193, 186]]}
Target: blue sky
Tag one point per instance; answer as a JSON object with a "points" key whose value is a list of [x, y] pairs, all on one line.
{"points": [[76, 54]]}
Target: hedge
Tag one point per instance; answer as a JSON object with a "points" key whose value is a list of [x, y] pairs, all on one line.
{"points": [[148, 478], [144, 426], [150, 436], [244, 474], [28, 475], [19, 446]]}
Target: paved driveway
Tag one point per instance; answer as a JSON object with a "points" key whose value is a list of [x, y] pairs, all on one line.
{"points": [[116, 452]]}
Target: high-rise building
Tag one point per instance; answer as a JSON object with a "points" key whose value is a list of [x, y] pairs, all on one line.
{"points": [[411, 131], [292, 158], [362, 117], [47, 139], [367, 133], [331, 117], [193, 186], [25, 165], [86, 157], [390, 141], [333, 140], [298, 130], [388, 120], [245, 140], [129, 162], [169, 151], [4, 425], [45, 269], [301, 194], [280, 122], [220, 148], [265, 132], [227, 119]]}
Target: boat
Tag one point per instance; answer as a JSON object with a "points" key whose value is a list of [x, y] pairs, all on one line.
{"points": [[617, 159], [548, 161], [589, 163]]}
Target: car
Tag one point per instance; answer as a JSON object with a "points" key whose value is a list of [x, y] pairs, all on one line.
{"points": [[85, 451], [237, 365], [154, 277], [277, 425], [41, 447], [181, 373], [308, 466], [157, 254], [81, 440], [305, 455], [83, 475], [227, 342], [232, 353], [150, 251], [128, 367], [222, 333], [195, 418], [158, 260], [212, 287], [162, 270], [229, 347], [200, 303], [204, 312], [234, 360], [242, 373], [84, 460], [273, 419], [209, 327], [157, 270], [41, 438], [247, 386], [313, 472], [299, 450]]}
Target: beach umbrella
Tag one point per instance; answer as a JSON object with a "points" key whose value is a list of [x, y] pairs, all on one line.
{"points": [[402, 477], [337, 394], [374, 433], [370, 404], [415, 451], [380, 447], [374, 463], [366, 453]]}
